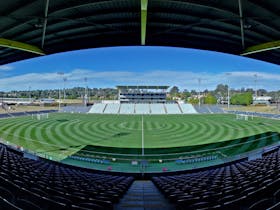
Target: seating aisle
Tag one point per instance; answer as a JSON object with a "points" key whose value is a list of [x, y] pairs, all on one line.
{"points": [[143, 195]]}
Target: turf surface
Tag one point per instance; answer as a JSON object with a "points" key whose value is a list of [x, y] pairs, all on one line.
{"points": [[66, 134]]}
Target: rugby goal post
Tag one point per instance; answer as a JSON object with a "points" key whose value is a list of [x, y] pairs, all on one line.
{"points": [[40, 116], [244, 117]]}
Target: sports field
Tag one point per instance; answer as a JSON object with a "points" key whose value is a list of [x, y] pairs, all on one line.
{"points": [[66, 134]]}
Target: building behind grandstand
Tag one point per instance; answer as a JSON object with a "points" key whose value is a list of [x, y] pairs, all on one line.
{"points": [[262, 100]]}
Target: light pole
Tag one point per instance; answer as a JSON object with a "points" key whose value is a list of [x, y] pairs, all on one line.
{"points": [[228, 100], [199, 82], [64, 81], [256, 91], [59, 94], [86, 94]]}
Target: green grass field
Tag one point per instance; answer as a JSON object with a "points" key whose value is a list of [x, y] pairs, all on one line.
{"points": [[66, 134]]}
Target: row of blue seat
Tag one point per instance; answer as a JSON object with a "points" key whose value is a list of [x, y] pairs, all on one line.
{"points": [[196, 160], [91, 160], [40, 184], [240, 185]]}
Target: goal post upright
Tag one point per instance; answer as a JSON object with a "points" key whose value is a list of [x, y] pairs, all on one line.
{"points": [[242, 117], [40, 116]]}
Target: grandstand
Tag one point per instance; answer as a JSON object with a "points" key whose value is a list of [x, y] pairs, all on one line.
{"points": [[142, 94], [143, 108], [151, 108], [142, 100]]}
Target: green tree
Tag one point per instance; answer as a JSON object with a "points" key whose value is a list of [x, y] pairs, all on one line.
{"points": [[174, 90], [193, 92], [210, 99], [186, 94], [242, 99], [193, 100], [221, 90]]}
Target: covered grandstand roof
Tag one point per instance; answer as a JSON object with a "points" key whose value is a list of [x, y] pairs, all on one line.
{"points": [[142, 87], [41, 27]]}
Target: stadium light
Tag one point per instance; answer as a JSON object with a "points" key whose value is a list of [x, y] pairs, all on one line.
{"points": [[59, 94], [228, 101], [199, 83], [256, 91], [64, 81], [86, 91]]}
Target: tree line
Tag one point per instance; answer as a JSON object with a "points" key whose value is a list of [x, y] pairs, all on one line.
{"points": [[243, 96], [70, 93]]}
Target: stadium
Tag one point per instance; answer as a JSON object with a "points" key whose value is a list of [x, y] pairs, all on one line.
{"points": [[140, 150]]}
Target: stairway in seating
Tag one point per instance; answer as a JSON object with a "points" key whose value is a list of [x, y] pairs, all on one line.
{"points": [[143, 195]]}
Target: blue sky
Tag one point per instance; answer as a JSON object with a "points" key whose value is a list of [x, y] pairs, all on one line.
{"points": [[108, 67]]}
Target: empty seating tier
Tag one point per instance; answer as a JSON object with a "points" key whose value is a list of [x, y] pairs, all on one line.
{"points": [[187, 109], [242, 185], [97, 108], [112, 109], [208, 109], [39, 184], [76, 109], [142, 109], [172, 109], [157, 109], [215, 109], [202, 109], [127, 109]]}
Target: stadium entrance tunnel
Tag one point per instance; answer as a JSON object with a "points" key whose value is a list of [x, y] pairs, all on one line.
{"points": [[158, 160]]}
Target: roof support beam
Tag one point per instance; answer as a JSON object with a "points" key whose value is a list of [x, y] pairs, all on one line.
{"points": [[241, 23], [144, 6], [20, 46], [45, 23], [262, 47]]}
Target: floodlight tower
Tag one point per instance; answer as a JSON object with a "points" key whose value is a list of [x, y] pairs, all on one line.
{"points": [[64, 81], [228, 101], [199, 83], [256, 91], [86, 91], [59, 94]]}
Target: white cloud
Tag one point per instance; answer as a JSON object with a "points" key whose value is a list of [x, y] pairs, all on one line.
{"points": [[6, 68], [183, 79], [257, 75]]}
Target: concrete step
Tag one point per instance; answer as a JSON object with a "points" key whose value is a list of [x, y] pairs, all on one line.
{"points": [[143, 195]]}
